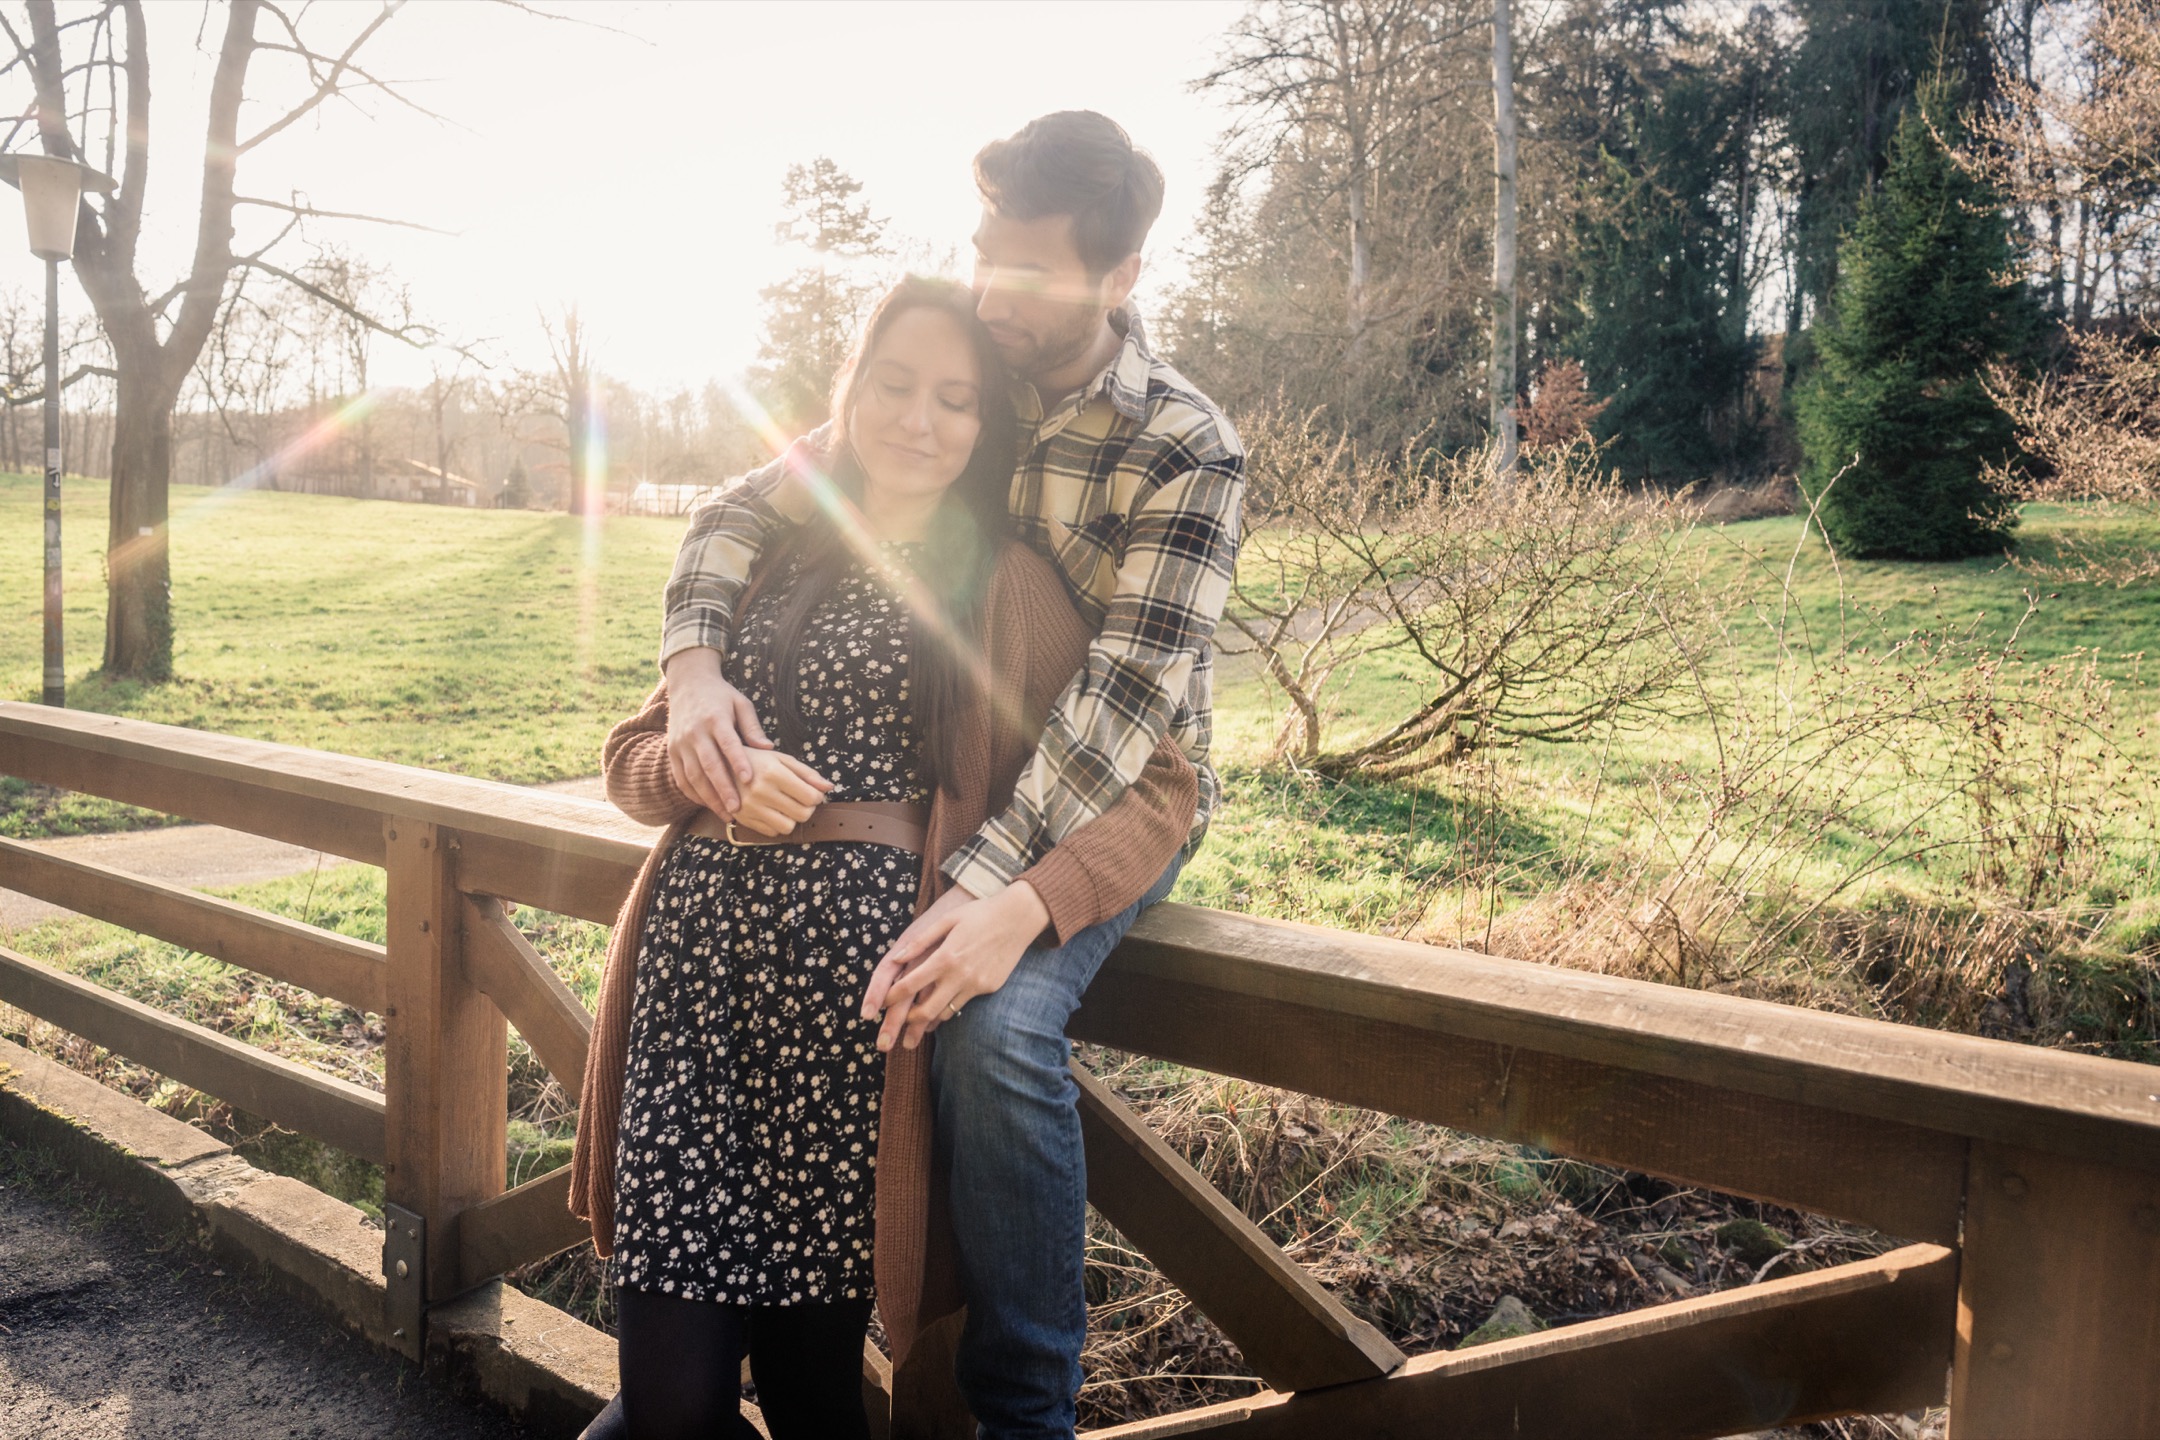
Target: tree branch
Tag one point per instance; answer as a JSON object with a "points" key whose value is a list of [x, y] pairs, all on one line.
{"points": [[309, 212], [11, 397], [418, 336], [331, 84]]}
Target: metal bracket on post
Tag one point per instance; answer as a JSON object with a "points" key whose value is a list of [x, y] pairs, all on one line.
{"points": [[404, 1263]]}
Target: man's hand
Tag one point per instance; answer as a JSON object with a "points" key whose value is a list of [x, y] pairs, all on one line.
{"points": [[782, 793], [959, 948], [712, 729]]}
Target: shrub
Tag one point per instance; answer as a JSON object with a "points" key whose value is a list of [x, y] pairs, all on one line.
{"points": [[1540, 605], [2093, 429]]}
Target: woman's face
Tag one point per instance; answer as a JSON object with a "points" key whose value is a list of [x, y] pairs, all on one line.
{"points": [[918, 406]]}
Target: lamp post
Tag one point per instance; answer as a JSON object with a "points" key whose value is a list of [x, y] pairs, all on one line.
{"points": [[52, 198]]}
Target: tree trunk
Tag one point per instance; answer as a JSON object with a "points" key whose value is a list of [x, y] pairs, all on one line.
{"points": [[138, 610], [1360, 267], [1503, 261], [1359, 140]]}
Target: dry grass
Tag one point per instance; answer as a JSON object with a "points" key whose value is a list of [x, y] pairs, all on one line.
{"points": [[1731, 504], [2069, 977], [1419, 1229]]}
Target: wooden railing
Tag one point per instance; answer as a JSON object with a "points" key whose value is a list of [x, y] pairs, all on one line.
{"points": [[2026, 1181]]}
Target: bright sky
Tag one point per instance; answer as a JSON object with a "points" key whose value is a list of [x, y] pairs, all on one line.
{"points": [[636, 170]]}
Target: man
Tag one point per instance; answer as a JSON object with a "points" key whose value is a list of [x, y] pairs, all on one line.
{"points": [[1130, 482]]}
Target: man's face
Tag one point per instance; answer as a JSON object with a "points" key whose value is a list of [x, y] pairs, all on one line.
{"points": [[1034, 293]]}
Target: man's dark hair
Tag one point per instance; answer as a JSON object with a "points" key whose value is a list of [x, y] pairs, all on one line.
{"points": [[1081, 164]]}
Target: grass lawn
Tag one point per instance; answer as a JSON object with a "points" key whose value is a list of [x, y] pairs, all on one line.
{"points": [[494, 643], [1546, 809]]}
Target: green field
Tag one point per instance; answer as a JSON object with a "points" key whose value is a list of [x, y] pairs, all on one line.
{"points": [[493, 643], [505, 644]]}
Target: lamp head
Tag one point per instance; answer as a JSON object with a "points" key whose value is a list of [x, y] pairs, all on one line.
{"points": [[52, 199]]}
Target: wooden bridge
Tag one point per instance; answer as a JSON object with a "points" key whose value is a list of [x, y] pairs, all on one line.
{"points": [[2025, 1182]]}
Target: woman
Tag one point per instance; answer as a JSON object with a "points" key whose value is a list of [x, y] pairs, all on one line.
{"points": [[906, 653]]}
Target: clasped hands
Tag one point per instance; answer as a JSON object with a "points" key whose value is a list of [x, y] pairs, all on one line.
{"points": [[959, 948]]}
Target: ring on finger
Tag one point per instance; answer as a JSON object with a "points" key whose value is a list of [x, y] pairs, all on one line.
{"points": [[952, 1008]]}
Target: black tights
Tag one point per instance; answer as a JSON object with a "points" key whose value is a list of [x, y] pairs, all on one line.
{"points": [[681, 1363]]}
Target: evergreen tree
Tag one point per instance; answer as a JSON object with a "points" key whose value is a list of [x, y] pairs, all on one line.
{"points": [[1926, 299], [811, 316], [1661, 245], [1852, 76]]}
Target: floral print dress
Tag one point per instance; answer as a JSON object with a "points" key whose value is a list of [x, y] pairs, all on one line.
{"points": [[745, 1168]]}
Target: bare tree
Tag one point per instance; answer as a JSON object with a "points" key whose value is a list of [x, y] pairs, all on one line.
{"points": [[2073, 145], [350, 302], [245, 372], [446, 387], [1346, 83], [572, 398], [157, 334]]}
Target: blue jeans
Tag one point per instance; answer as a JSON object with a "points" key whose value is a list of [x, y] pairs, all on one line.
{"points": [[1008, 1124]]}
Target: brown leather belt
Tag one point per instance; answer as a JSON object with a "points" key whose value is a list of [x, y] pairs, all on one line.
{"points": [[869, 822]]}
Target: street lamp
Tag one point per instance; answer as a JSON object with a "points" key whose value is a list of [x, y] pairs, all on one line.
{"points": [[52, 199]]}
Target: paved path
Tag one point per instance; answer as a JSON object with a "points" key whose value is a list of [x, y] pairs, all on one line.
{"points": [[109, 1330], [198, 856]]}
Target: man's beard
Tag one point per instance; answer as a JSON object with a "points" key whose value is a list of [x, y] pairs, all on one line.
{"points": [[1058, 349]]}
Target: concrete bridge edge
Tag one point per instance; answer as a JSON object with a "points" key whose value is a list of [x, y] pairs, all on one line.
{"points": [[549, 1370]]}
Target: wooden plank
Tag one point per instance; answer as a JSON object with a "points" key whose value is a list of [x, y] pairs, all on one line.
{"points": [[2059, 1300], [1291, 1331], [1858, 1339], [1960, 1084], [331, 1110], [445, 1056], [558, 851], [576, 857], [517, 1227], [565, 879], [318, 960], [505, 967], [1905, 1181]]}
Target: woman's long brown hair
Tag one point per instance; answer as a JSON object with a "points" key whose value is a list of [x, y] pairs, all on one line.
{"points": [[958, 555]]}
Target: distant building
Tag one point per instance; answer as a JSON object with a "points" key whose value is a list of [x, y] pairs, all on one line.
{"points": [[412, 481], [429, 486], [651, 498]]}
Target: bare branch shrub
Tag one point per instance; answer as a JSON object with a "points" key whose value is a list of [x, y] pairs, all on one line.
{"points": [[1537, 606], [1945, 752], [2094, 429]]}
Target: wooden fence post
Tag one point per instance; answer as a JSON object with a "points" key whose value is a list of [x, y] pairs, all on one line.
{"points": [[445, 1057], [2058, 1299]]}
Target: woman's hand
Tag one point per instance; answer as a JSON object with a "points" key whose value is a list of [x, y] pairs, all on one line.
{"points": [[781, 793], [959, 948]]}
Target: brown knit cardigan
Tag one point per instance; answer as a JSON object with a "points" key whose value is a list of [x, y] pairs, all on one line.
{"points": [[1034, 643]]}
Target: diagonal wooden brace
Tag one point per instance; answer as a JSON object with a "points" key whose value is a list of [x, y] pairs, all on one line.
{"points": [[1291, 1330]]}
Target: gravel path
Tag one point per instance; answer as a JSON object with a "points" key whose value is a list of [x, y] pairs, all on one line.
{"points": [[108, 1329], [198, 856]]}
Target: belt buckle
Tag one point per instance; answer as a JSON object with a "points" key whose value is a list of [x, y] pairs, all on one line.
{"points": [[732, 838]]}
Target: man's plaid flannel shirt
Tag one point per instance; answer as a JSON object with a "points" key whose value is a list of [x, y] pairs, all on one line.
{"points": [[1132, 487]]}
